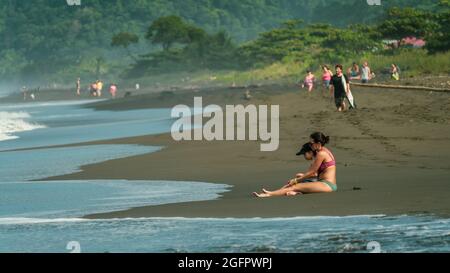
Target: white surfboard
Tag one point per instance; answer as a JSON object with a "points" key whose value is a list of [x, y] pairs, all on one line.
{"points": [[349, 94], [351, 99]]}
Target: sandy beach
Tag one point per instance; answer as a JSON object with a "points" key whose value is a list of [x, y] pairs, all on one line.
{"points": [[151, 127], [392, 156]]}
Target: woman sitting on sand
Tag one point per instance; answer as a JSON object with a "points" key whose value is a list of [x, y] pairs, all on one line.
{"points": [[324, 166], [354, 72]]}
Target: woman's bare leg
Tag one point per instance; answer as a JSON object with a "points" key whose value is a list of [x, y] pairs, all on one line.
{"points": [[313, 187]]}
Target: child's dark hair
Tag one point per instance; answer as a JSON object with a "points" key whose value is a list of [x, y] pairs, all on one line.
{"points": [[320, 138], [306, 148]]}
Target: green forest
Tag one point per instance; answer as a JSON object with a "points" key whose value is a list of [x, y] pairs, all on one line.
{"points": [[50, 41]]}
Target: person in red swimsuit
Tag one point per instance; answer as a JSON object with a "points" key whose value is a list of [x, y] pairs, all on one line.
{"points": [[324, 166]]}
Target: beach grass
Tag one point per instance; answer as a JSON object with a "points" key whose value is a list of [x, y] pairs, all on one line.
{"points": [[412, 62]]}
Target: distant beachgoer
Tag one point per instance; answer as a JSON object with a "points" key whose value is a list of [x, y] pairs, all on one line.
{"points": [[326, 76], [354, 72], [395, 74], [323, 167], [248, 95], [94, 89], [35, 93], [309, 81], [113, 90], [99, 88], [366, 73], [24, 92], [138, 86], [78, 85], [339, 87]]}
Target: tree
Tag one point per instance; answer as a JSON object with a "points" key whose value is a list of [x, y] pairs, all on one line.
{"points": [[439, 40], [168, 31], [125, 39], [11, 62], [354, 40], [293, 24], [401, 23]]}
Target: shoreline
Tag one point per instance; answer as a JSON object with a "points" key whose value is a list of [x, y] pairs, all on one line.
{"points": [[428, 82], [382, 149]]}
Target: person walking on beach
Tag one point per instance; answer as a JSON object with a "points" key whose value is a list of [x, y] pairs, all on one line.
{"points": [[113, 90], [99, 88], [324, 166], [340, 86], [94, 89], [78, 85], [309, 81], [395, 74], [24, 92], [366, 73], [326, 76]]}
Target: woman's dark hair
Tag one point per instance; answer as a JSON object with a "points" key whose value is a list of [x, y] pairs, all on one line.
{"points": [[320, 138], [340, 66]]}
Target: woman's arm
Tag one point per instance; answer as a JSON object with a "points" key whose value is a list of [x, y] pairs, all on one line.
{"points": [[312, 171]]}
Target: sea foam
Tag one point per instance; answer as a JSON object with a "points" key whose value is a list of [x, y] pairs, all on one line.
{"points": [[14, 122]]}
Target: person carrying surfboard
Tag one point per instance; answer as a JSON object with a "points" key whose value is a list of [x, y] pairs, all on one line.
{"points": [[340, 90]]}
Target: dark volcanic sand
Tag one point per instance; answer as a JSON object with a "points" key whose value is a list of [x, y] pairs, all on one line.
{"points": [[395, 150]]}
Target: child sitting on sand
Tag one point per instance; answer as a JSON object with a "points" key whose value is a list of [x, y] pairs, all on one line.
{"points": [[324, 166], [395, 74]]}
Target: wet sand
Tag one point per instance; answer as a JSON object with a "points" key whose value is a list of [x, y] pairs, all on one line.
{"points": [[392, 154]]}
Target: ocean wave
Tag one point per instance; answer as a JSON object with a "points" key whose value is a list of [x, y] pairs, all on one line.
{"points": [[14, 122], [27, 105], [30, 221], [168, 235], [25, 220]]}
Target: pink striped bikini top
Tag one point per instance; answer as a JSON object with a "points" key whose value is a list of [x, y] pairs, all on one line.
{"points": [[326, 165]]}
